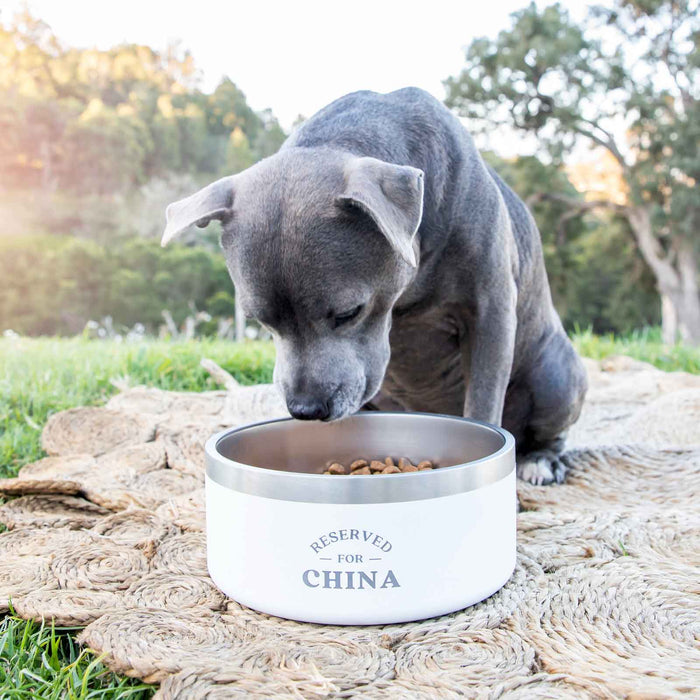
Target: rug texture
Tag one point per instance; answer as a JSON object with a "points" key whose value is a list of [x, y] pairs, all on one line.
{"points": [[107, 533]]}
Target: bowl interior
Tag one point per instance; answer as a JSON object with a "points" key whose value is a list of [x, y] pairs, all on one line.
{"points": [[308, 446]]}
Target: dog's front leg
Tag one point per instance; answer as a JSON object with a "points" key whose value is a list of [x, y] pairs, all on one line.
{"points": [[487, 355]]}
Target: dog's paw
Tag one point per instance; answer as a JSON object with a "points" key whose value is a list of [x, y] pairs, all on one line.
{"points": [[541, 468]]}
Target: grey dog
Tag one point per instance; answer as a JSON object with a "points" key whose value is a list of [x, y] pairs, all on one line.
{"points": [[394, 269]]}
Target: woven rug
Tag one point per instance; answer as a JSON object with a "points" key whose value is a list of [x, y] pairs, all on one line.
{"points": [[107, 533]]}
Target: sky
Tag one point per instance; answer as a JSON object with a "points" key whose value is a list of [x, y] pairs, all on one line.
{"points": [[295, 56]]}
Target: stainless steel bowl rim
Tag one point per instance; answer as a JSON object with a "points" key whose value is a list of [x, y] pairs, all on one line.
{"points": [[375, 488]]}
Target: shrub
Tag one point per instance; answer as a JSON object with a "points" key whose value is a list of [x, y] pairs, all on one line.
{"points": [[54, 284]]}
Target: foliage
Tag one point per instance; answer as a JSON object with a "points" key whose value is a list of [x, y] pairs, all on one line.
{"points": [[560, 80], [53, 284], [627, 80], [608, 287], [91, 122]]}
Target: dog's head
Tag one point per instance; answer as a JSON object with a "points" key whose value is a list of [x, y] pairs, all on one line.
{"points": [[319, 244]]}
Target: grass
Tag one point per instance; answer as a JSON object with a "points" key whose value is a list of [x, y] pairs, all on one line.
{"points": [[643, 345], [39, 377], [39, 661]]}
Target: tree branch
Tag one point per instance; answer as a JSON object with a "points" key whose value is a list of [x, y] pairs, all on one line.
{"points": [[578, 205], [651, 250], [608, 143], [576, 208]]}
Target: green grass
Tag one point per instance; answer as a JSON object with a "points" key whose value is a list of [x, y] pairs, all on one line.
{"points": [[643, 345], [38, 661], [39, 377]]}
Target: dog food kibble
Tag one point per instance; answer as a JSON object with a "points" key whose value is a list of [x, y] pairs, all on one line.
{"points": [[376, 466], [361, 470]]}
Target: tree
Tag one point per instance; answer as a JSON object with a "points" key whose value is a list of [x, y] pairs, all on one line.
{"points": [[88, 128], [106, 150], [628, 81], [238, 153], [269, 136], [227, 109]]}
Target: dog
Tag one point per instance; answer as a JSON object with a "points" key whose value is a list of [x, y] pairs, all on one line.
{"points": [[396, 270]]}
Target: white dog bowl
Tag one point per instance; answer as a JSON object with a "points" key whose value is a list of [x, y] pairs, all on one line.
{"points": [[287, 540]]}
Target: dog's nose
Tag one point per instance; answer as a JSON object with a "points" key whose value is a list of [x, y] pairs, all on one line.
{"points": [[309, 409]]}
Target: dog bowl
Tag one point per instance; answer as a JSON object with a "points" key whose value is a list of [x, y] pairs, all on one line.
{"points": [[287, 540]]}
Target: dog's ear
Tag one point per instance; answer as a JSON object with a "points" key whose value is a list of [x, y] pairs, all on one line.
{"points": [[391, 195], [212, 202]]}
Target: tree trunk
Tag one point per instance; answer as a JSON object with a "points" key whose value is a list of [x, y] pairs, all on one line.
{"points": [[669, 320], [680, 301], [689, 325]]}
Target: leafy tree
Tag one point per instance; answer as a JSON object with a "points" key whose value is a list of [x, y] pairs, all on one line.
{"points": [[105, 150], [55, 284], [632, 70], [227, 109], [167, 153], [31, 152], [269, 137], [196, 156], [104, 122], [239, 155]]}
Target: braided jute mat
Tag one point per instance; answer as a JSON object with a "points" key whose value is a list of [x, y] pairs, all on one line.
{"points": [[107, 533]]}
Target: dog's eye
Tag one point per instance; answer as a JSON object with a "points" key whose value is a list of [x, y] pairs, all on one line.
{"points": [[341, 319]]}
